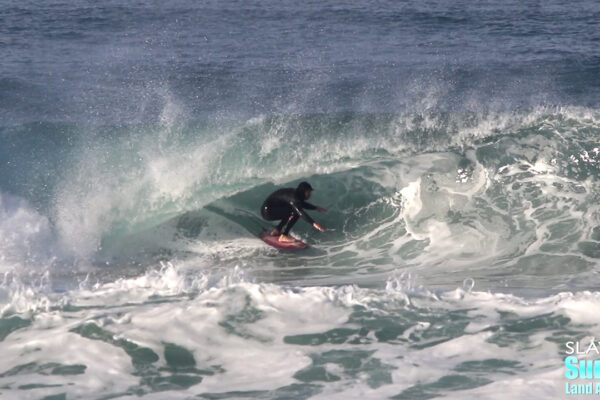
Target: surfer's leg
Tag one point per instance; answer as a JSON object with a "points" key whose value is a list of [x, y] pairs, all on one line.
{"points": [[290, 222], [277, 230], [275, 213]]}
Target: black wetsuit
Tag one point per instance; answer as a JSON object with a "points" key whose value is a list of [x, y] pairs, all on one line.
{"points": [[287, 205]]}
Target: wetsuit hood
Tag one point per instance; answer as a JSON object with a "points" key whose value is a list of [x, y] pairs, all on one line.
{"points": [[301, 190]]}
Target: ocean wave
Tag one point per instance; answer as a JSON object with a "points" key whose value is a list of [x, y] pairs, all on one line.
{"points": [[431, 191], [171, 333]]}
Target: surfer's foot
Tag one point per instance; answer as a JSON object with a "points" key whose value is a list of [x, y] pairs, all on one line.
{"points": [[275, 232], [286, 238]]}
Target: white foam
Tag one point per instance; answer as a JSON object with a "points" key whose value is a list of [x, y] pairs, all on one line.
{"points": [[213, 319], [25, 235]]}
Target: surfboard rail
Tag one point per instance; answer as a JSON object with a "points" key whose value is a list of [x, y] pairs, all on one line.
{"points": [[274, 242]]}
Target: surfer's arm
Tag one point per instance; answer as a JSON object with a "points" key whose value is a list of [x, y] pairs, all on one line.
{"points": [[302, 213], [307, 217], [309, 206]]}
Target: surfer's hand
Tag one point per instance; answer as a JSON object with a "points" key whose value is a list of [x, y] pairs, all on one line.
{"points": [[321, 209], [319, 227]]}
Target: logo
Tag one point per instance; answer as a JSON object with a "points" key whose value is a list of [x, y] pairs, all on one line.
{"points": [[582, 366]]}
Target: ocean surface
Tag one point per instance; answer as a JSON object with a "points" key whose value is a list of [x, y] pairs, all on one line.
{"points": [[455, 144]]}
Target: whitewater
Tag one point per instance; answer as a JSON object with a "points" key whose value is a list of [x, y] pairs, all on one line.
{"points": [[455, 148]]}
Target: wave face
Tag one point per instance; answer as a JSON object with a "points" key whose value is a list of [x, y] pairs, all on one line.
{"points": [[489, 197], [455, 147]]}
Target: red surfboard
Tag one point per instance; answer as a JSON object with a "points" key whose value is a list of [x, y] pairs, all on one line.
{"points": [[274, 241]]}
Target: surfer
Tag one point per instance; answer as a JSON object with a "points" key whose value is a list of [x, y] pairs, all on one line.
{"points": [[288, 205]]}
